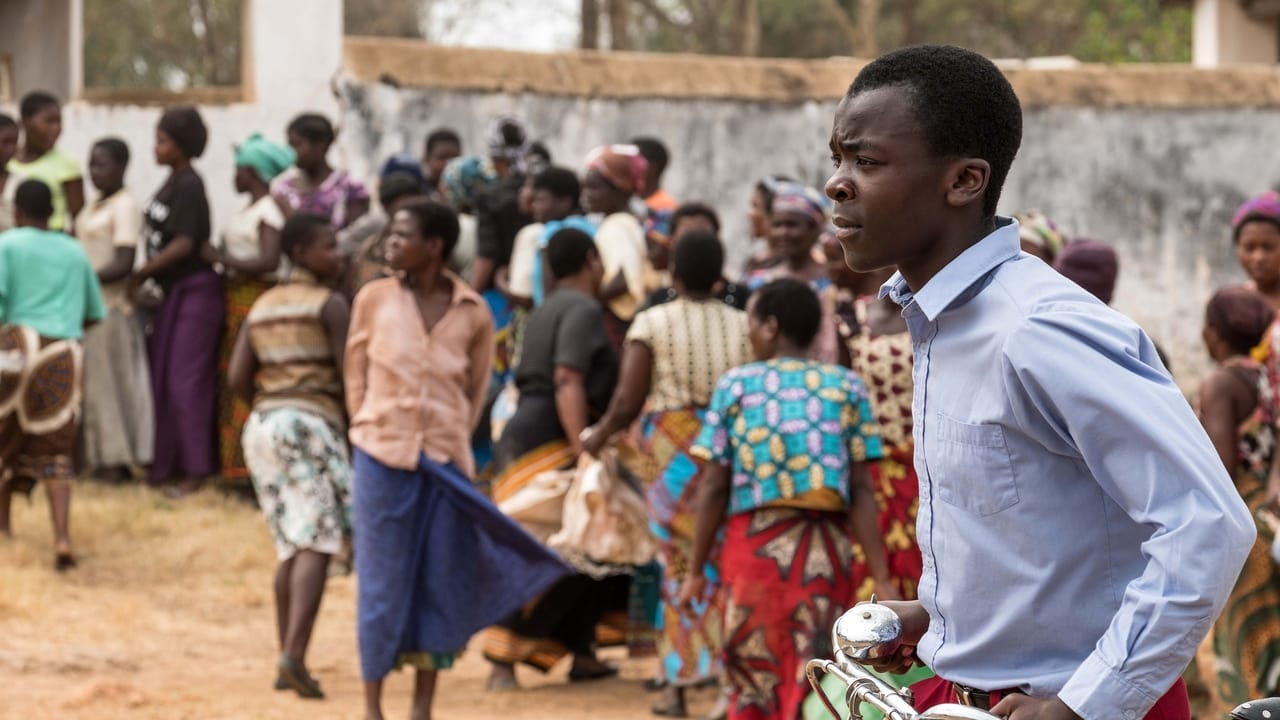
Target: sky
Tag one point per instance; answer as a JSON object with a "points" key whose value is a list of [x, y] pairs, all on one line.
{"points": [[537, 25]]}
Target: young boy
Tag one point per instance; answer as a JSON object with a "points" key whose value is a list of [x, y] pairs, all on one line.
{"points": [[1079, 532]]}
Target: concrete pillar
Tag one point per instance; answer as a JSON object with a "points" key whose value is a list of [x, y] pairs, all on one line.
{"points": [[41, 39], [1226, 35], [294, 51]]}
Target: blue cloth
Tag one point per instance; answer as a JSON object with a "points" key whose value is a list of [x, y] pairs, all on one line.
{"points": [[1079, 532], [786, 427], [576, 221], [437, 562]]}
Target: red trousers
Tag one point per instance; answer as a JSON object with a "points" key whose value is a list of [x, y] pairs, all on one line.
{"points": [[935, 691]]}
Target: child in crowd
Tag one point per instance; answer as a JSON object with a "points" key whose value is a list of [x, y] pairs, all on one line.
{"points": [[118, 432], [39, 157], [48, 295], [417, 369], [312, 185], [785, 445], [287, 363], [8, 181]]}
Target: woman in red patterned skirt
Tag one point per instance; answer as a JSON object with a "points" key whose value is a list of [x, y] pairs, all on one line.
{"points": [[878, 348]]}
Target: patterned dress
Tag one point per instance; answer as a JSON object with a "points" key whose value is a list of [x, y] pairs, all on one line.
{"points": [[884, 363], [788, 430], [1246, 638], [293, 441]]}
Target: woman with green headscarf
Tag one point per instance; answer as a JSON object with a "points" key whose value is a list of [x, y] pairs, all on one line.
{"points": [[249, 254]]}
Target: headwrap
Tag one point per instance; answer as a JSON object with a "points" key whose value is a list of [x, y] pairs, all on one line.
{"points": [[1036, 228], [792, 197], [264, 157], [1091, 264], [402, 163], [1263, 207], [185, 127], [622, 165], [463, 177], [507, 139]]}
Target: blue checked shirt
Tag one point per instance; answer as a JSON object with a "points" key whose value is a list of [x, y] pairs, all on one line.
{"points": [[1080, 534]]}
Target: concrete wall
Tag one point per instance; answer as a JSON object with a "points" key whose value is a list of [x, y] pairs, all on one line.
{"points": [[39, 36], [1161, 184]]}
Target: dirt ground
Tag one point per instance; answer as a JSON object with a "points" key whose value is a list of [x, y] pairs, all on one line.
{"points": [[170, 616]]}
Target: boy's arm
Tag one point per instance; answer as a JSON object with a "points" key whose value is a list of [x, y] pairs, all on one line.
{"points": [[1089, 384]]}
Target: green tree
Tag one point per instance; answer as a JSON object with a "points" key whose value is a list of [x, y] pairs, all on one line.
{"points": [[165, 44], [1090, 30]]}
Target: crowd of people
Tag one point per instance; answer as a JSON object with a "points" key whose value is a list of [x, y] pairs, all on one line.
{"points": [[392, 372]]}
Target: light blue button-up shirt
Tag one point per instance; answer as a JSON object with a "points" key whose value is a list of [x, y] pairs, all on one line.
{"points": [[1079, 532]]}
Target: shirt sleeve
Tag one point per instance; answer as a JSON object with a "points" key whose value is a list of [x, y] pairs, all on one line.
{"points": [[620, 242], [1086, 382], [642, 328], [579, 336], [189, 210], [355, 370], [712, 444], [66, 167], [356, 190], [480, 365], [270, 214], [861, 432], [126, 223]]}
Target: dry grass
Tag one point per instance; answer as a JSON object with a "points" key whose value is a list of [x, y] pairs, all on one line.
{"points": [[170, 616]]}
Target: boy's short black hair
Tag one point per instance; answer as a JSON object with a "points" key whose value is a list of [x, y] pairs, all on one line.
{"points": [[34, 199], [34, 102], [539, 150], [560, 182], [299, 231], [441, 136], [795, 306], [399, 185], [694, 209], [115, 148], [568, 251], [436, 220], [7, 121], [698, 260], [654, 152], [313, 127], [964, 104]]}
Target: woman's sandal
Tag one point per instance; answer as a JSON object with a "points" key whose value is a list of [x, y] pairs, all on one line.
{"points": [[296, 677]]}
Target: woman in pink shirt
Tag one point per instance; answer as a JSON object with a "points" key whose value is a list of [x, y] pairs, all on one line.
{"points": [[416, 372]]}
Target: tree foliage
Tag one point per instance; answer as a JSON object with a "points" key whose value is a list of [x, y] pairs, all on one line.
{"points": [[165, 44], [1090, 30]]}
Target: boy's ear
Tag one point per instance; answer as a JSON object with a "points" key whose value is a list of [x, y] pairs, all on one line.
{"points": [[967, 180]]}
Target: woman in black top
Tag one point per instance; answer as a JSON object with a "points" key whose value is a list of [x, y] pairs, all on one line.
{"points": [[566, 374], [183, 346]]}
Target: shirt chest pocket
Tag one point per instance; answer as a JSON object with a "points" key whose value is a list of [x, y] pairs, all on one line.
{"points": [[972, 469]]}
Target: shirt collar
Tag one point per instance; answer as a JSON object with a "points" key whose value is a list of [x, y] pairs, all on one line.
{"points": [[462, 292], [960, 274]]}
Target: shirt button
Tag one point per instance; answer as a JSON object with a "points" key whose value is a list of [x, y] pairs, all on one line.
{"points": [[1130, 715]]}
